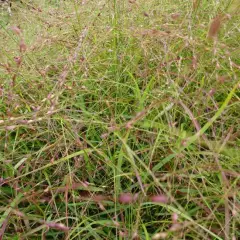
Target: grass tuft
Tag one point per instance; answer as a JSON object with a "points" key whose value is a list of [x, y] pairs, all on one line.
{"points": [[119, 119]]}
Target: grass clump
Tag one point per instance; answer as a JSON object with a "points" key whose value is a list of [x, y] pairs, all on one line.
{"points": [[119, 120]]}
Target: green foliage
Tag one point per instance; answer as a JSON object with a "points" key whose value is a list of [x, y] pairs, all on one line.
{"points": [[119, 120]]}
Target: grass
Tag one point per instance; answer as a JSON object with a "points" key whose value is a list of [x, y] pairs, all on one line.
{"points": [[120, 120]]}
